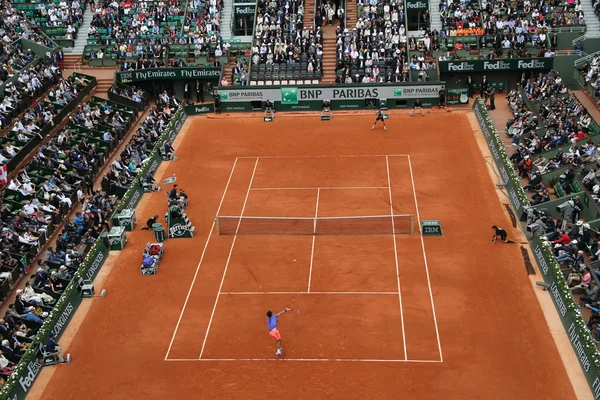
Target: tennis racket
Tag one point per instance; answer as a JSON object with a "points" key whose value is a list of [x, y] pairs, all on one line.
{"points": [[295, 310]]}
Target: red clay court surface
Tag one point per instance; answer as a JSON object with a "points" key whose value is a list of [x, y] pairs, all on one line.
{"points": [[382, 316]]}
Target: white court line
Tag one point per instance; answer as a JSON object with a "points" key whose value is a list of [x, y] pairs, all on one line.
{"points": [[228, 260], [334, 156], [365, 360], [323, 188], [387, 166], [263, 293], [314, 236], [437, 332], [200, 262]]}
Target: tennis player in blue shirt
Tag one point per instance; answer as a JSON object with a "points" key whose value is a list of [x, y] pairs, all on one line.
{"points": [[273, 331], [379, 118]]}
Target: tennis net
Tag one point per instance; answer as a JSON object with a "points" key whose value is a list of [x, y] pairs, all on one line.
{"points": [[361, 225]]}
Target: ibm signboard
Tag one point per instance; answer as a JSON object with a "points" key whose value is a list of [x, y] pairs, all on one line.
{"points": [[341, 97], [496, 65]]}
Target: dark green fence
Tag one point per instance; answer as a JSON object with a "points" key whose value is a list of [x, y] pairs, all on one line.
{"points": [[134, 194], [516, 194]]}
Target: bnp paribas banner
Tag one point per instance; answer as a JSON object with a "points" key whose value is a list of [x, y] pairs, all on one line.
{"points": [[496, 65], [293, 95], [168, 73]]}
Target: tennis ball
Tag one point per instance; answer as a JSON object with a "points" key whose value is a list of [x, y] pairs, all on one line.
{"points": [[294, 260]]}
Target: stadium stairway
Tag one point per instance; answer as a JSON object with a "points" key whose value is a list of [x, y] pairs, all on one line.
{"points": [[309, 13], [70, 61], [329, 54], [103, 84], [591, 21], [434, 10], [226, 22], [82, 35], [351, 15]]}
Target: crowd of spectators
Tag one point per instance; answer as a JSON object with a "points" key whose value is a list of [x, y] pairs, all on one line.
{"points": [[562, 117], [466, 18], [129, 92], [15, 25], [282, 42], [67, 14], [375, 50], [28, 125], [127, 166], [590, 71], [145, 30]]}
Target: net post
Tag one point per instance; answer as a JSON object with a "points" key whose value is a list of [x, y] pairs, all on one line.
{"points": [[217, 225], [412, 224]]}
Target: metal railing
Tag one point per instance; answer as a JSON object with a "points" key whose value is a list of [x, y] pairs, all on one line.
{"points": [[585, 58], [578, 39], [570, 29]]}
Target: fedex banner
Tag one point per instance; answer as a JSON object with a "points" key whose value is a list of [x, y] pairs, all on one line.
{"points": [[496, 65], [294, 95]]}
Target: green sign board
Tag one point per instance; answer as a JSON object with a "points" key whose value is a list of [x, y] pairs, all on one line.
{"points": [[457, 96], [168, 73], [245, 10], [198, 109], [289, 95], [417, 5], [523, 64]]}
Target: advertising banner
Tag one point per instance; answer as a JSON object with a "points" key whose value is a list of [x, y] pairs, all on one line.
{"points": [[417, 5], [168, 73], [245, 10], [294, 95], [524, 64], [512, 184], [457, 96]]}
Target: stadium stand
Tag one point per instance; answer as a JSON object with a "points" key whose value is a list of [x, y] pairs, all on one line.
{"points": [[283, 48], [125, 168], [151, 32], [58, 19], [376, 50], [17, 26]]}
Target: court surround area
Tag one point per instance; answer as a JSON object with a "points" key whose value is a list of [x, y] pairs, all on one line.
{"points": [[382, 315]]}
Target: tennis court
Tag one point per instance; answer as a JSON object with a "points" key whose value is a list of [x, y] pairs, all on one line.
{"points": [[198, 328], [316, 233]]}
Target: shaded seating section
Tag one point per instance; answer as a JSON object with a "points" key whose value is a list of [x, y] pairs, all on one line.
{"points": [[38, 197], [555, 140], [589, 78], [129, 95], [160, 32], [59, 22], [124, 170], [23, 78], [32, 125], [363, 55], [17, 26], [283, 48]]}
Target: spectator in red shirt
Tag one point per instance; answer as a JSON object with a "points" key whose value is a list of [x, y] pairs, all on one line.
{"points": [[563, 238]]}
